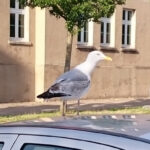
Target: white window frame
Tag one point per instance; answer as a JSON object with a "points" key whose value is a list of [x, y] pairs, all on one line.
{"points": [[18, 12], [132, 23], [90, 35], [110, 20]]}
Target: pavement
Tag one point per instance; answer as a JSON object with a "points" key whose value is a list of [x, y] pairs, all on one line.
{"points": [[53, 105]]}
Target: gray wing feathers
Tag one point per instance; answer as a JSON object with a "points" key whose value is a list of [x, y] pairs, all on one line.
{"points": [[73, 75], [73, 83]]}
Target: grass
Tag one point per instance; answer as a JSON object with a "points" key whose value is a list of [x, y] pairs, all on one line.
{"points": [[115, 111], [15, 118]]}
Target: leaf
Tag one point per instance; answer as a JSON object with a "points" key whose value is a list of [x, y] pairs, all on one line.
{"points": [[76, 12]]}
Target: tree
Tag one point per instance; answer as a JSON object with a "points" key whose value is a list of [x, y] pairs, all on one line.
{"points": [[75, 13]]}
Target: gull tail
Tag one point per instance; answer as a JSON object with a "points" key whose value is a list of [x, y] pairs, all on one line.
{"points": [[47, 95]]}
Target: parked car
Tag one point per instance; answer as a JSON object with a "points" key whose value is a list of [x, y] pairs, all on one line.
{"points": [[24, 137]]}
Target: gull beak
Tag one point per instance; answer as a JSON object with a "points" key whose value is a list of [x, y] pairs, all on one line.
{"points": [[108, 58]]}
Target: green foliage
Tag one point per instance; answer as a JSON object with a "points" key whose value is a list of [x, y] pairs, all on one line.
{"points": [[76, 12]]}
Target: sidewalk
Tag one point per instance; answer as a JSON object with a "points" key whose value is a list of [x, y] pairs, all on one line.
{"points": [[37, 107]]}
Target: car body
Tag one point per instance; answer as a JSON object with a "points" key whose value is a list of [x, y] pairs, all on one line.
{"points": [[146, 136], [23, 137]]}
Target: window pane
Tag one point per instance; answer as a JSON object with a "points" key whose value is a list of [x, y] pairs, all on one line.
{"points": [[123, 34], [12, 19], [21, 26], [102, 32], [108, 28], [102, 38], [12, 3], [128, 40], [129, 15], [43, 147], [79, 36], [21, 32], [108, 33], [123, 15], [21, 6], [107, 38], [86, 32], [21, 20], [1, 145], [102, 26], [12, 31], [86, 27], [12, 25], [85, 36], [129, 30], [129, 34]]}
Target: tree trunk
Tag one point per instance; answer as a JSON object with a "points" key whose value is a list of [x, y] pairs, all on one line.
{"points": [[68, 52], [67, 64]]}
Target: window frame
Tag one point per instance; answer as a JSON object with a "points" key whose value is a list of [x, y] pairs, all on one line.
{"points": [[89, 32], [105, 21], [8, 140], [25, 12], [111, 21], [128, 43]]}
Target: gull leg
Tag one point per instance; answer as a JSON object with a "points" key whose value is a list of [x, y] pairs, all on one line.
{"points": [[78, 106], [63, 107]]}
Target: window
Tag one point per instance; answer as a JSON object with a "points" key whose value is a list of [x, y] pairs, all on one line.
{"points": [[18, 21], [128, 28], [85, 36], [1, 145], [107, 34], [105, 31], [43, 147], [52, 142]]}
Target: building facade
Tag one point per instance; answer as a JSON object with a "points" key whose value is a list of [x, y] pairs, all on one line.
{"points": [[33, 45]]}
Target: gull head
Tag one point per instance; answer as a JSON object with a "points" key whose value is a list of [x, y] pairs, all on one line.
{"points": [[96, 56], [91, 61]]}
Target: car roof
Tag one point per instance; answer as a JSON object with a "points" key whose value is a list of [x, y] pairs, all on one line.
{"points": [[67, 132]]}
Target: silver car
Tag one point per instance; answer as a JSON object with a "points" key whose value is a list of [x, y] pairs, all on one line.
{"points": [[20, 137]]}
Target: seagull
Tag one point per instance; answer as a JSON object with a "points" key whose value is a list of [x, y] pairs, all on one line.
{"points": [[75, 83]]}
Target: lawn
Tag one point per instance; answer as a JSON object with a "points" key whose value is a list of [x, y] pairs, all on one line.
{"points": [[15, 118]]}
